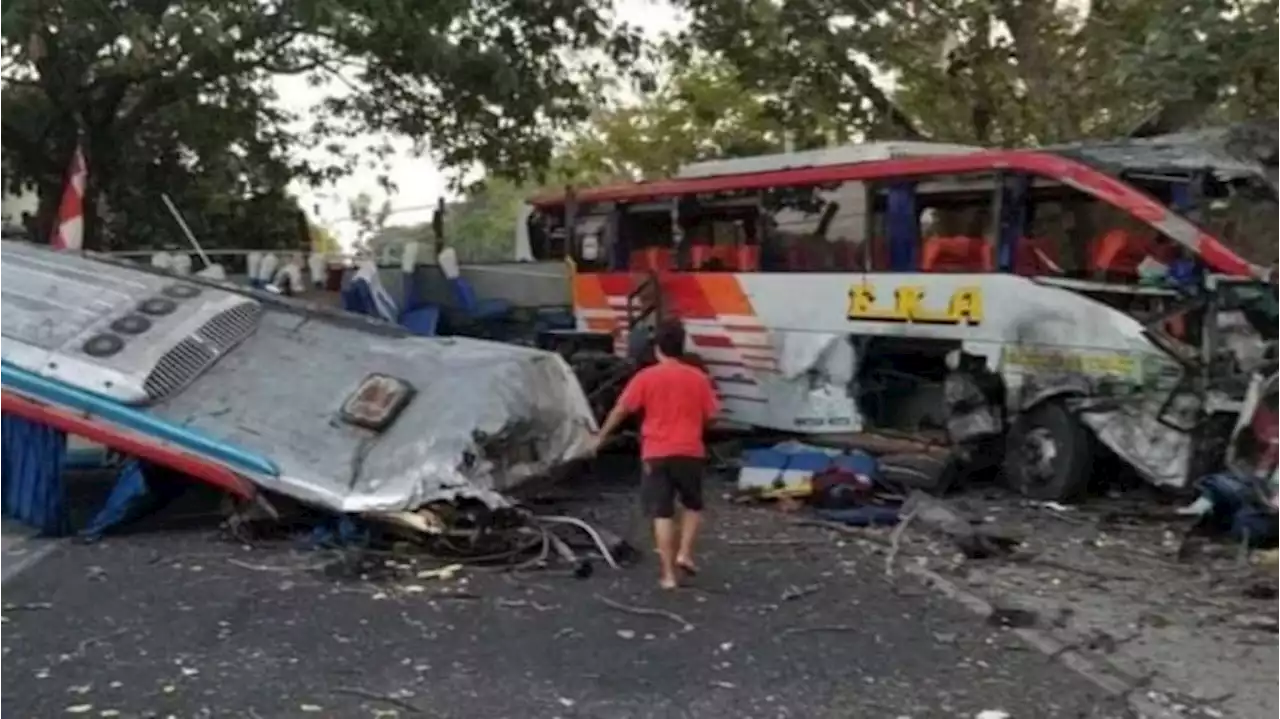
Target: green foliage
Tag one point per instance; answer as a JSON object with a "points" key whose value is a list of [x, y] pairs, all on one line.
{"points": [[482, 228], [174, 94], [700, 112], [996, 72]]}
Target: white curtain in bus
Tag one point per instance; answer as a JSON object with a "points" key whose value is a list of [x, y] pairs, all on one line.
{"points": [[386, 304], [524, 248]]}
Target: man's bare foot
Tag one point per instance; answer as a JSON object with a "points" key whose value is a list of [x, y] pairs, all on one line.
{"points": [[668, 583], [687, 566]]}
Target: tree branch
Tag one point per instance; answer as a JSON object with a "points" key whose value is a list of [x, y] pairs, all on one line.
{"points": [[879, 99]]}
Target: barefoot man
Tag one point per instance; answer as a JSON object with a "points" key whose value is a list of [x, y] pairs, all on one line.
{"points": [[677, 401]]}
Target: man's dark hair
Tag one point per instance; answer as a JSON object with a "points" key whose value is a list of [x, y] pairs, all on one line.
{"points": [[669, 337]]}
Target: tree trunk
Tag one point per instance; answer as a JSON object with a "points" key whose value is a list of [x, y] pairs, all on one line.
{"points": [[50, 196]]}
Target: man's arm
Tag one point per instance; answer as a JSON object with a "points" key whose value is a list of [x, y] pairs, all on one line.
{"points": [[631, 400]]}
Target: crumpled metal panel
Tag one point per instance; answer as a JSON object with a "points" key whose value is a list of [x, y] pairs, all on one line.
{"points": [[484, 416], [1238, 151]]}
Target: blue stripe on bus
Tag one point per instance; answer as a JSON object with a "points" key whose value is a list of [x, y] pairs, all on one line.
{"points": [[75, 398]]}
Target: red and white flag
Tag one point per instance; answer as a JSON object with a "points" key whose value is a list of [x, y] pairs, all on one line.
{"points": [[69, 234]]}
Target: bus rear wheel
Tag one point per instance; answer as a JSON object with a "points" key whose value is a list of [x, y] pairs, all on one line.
{"points": [[1049, 454]]}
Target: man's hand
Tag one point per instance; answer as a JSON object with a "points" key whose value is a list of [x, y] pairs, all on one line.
{"points": [[592, 446]]}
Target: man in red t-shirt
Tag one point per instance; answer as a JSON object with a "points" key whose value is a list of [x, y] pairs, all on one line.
{"points": [[677, 401]]}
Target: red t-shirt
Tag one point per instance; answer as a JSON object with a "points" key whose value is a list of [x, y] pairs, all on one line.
{"points": [[677, 401]]}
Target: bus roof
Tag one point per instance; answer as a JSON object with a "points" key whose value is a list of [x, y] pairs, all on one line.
{"points": [[824, 157], [869, 170]]}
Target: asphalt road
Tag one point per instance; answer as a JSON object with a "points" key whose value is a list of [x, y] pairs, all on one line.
{"points": [[783, 622]]}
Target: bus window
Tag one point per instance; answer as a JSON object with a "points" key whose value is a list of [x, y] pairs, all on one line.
{"points": [[593, 243], [646, 233], [1070, 234], [956, 223], [546, 238], [721, 237], [1067, 233], [813, 229]]}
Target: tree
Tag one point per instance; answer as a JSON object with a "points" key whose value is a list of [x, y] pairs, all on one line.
{"points": [[370, 223], [482, 227], [699, 111], [996, 72], [323, 241], [164, 92]]}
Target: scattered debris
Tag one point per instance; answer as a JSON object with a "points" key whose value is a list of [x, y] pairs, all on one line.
{"points": [[28, 607], [974, 541], [646, 612], [1011, 617], [444, 573], [947, 638], [376, 697], [792, 593], [820, 628], [1259, 622]]}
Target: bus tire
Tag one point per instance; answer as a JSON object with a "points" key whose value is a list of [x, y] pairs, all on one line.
{"points": [[1049, 454]]}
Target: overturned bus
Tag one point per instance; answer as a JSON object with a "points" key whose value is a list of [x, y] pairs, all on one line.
{"points": [[250, 391], [1028, 306]]}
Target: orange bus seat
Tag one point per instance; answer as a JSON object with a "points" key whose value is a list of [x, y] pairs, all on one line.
{"points": [[955, 254], [1119, 252]]}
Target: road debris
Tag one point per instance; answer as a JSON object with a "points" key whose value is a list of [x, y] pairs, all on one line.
{"points": [[685, 625], [391, 699]]}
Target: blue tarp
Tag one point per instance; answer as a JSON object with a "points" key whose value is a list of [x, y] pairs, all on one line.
{"points": [[34, 492], [135, 495]]}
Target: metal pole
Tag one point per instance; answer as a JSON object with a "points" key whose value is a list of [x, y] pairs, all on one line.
{"points": [[173, 210]]}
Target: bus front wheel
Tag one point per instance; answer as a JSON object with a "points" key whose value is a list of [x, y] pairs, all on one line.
{"points": [[1049, 455]]}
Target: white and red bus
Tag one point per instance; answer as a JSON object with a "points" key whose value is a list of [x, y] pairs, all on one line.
{"points": [[835, 292]]}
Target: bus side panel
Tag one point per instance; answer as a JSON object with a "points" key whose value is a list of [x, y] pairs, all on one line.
{"points": [[742, 355]]}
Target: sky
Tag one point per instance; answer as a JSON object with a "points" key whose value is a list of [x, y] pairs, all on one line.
{"points": [[418, 179]]}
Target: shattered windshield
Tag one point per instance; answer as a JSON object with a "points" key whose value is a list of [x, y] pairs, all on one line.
{"points": [[1257, 301]]}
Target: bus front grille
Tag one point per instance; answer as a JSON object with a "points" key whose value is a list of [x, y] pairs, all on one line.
{"points": [[182, 364]]}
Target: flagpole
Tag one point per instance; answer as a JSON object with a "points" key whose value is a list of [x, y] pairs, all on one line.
{"points": [[191, 237]]}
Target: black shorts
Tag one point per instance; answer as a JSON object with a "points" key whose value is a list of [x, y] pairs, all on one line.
{"points": [[664, 479]]}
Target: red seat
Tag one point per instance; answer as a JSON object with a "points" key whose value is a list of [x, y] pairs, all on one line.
{"points": [[1120, 251], [955, 254]]}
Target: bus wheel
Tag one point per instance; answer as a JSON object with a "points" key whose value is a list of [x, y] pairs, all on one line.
{"points": [[1050, 455]]}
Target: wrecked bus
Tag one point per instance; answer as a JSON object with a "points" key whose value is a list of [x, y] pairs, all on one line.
{"points": [[250, 391], [1027, 306]]}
